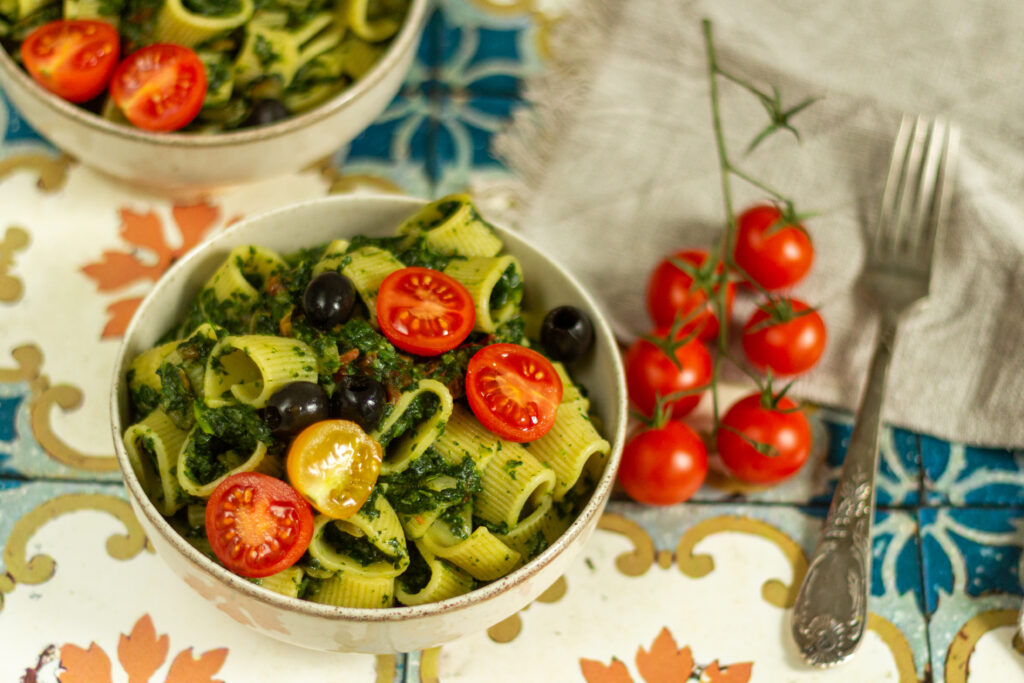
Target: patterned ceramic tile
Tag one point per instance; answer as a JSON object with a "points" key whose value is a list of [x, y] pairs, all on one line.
{"points": [[972, 568], [72, 550], [392, 154], [488, 46], [955, 474], [462, 154], [663, 590]]}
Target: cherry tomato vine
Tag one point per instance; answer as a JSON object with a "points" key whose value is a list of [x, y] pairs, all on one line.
{"points": [[689, 298]]}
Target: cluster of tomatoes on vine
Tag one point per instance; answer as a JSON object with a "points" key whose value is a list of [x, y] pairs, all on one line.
{"points": [[763, 438]]}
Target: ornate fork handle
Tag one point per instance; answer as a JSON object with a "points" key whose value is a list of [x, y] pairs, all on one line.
{"points": [[831, 609]]}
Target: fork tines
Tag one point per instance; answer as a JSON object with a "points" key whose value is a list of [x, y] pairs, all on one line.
{"points": [[915, 199]]}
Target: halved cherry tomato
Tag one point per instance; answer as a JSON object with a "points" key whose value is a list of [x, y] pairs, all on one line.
{"points": [[650, 373], [334, 465], [785, 336], [161, 87], [257, 525], [424, 311], [774, 255], [664, 465], [674, 293], [514, 391], [72, 58], [761, 443]]}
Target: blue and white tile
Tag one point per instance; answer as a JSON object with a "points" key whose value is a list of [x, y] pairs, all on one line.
{"points": [[394, 150], [464, 157], [960, 475], [972, 569]]}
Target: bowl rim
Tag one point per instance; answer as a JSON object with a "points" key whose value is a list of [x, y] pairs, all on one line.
{"points": [[405, 39], [594, 506]]}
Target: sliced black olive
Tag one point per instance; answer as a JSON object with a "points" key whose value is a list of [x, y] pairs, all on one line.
{"points": [[361, 399], [265, 112], [566, 333], [329, 299], [294, 407]]}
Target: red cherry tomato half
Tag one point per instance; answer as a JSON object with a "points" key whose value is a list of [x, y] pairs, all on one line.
{"points": [[514, 391], [161, 87], [774, 256], [424, 311], [781, 434], [650, 373], [257, 525], [72, 58], [673, 293], [788, 343], [663, 466]]}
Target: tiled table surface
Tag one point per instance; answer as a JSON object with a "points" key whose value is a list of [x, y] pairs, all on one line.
{"points": [[706, 584]]}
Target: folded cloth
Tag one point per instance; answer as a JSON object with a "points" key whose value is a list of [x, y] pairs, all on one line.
{"points": [[617, 167]]}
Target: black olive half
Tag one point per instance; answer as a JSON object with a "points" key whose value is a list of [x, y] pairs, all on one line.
{"points": [[265, 112], [329, 299], [361, 399], [294, 407], [566, 333]]}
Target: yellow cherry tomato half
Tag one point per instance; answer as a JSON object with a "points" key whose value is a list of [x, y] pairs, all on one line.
{"points": [[334, 465]]}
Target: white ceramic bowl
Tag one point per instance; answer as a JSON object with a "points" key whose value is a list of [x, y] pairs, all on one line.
{"points": [[184, 162], [399, 629]]}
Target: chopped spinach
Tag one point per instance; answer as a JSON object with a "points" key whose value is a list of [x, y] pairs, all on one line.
{"points": [[359, 549], [508, 289], [238, 425], [421, 407], [409, 493], [264, 51], [417, 575], [176, 398], [144, 398], [536, 544]]}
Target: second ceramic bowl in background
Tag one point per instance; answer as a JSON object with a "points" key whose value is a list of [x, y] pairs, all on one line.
{"points": [[184, 162]]}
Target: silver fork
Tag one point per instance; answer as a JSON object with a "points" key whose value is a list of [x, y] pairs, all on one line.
{"points": [[831, 608]]}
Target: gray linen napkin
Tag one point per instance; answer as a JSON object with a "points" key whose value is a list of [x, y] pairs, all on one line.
{"points": [[617, 168]]}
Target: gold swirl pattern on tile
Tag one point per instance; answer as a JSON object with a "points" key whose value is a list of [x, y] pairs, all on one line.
{"points": [[507, 630], [958, 657], [52, 171], [774, 591], [897, 643], [29, 362], [640, 559], [68, 398], [40, 568], [344, 183], [386, 666], [14, 241]]}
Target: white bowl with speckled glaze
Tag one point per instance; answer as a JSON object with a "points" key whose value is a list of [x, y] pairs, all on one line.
{"points": [[188, 162], [397, 629]]}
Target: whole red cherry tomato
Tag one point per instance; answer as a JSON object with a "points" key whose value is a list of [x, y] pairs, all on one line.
{"points": [[774, 255], [786, 336], [663, 465], [761, 443], [673, 293], [650, 373]]}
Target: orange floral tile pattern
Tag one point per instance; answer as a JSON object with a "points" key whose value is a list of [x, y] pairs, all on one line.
{"points": [[147, 256], [665, 663], [140, 654]]}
